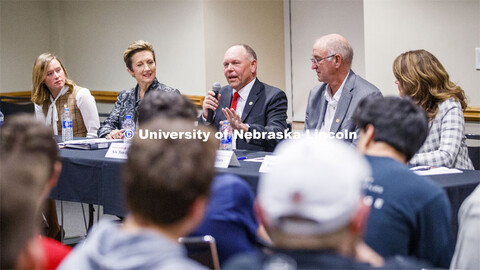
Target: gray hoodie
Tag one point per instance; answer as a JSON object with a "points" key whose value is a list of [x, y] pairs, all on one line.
{"points": [[110, 247]]}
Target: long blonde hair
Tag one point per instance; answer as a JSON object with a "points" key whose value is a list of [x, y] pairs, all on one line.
{"points": [[422, 77], [40, 92]]}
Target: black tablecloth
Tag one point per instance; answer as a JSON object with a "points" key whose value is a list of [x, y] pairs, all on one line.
{"points": [[88, 177]]}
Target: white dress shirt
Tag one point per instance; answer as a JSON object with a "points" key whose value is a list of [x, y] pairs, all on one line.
{"points": [[241, 101], [332, 104]]}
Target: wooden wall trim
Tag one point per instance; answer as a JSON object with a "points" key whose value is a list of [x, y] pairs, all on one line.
{"points": [[471, 113], [104, 96], [17, 94]]}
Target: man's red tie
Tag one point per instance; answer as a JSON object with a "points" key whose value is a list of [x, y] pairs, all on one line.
{"points": [[234, 100]]}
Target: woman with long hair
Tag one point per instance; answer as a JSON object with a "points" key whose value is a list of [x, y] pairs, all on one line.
{"points": [[422, 77], [53, 90]]}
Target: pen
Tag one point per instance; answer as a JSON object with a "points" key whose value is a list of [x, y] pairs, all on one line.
{"points": [[422, 168], [242, 158]]}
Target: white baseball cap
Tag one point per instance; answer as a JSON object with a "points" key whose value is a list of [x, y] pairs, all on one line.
{"points": [[319, 179]]}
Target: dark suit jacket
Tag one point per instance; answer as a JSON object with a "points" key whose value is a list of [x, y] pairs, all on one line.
{"points": [[265, 111], [354, 90]]}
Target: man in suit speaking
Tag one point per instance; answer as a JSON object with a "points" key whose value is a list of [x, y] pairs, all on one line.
{"points": [[248, 104], [331, 105]]}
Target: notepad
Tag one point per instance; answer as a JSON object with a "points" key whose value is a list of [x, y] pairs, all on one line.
{"points": [[89, 144]]}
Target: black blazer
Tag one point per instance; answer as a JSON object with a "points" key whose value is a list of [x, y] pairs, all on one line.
{"points": [[265, 111]]}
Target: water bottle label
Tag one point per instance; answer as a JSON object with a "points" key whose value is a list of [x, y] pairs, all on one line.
{"points": [[67, 124], [226, 139], [128, 134]]}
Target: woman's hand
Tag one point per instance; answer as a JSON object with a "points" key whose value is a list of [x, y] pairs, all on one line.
{"points": [[115, 134]]}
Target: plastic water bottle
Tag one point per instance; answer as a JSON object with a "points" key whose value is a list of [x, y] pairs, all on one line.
{"points": [[67, 127], [226, 140], [1, 118], [128, 129]]}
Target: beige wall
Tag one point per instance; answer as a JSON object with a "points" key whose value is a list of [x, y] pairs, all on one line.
{"points": [[90, 37], [99, 32], [448, 29], [256, 23], [24, 34], [189, 37]]}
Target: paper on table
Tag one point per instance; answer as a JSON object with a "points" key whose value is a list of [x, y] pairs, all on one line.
{"points": [[268, 163], [425, 170], [117, 150], [225, 158], [258, 159]]}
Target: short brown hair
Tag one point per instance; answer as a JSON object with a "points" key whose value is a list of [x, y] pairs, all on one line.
{"points": [[134, 47], [164, 177], [23, 135], [18, 205], [28, 153]]}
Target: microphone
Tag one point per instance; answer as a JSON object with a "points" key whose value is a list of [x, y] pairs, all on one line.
{"points": [[215, 88]]}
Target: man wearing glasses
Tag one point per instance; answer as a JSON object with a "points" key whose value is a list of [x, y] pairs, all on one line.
{"points": [[330, 105]]}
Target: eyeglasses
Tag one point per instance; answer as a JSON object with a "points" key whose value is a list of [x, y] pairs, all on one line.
{"points": [[316, 61]]}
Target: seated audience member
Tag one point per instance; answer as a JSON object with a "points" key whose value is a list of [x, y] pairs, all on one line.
{"points": [[467, 250], [422, 77], [167, 184], [330, 105], [315, 220], [168, 105], [410, 215], [139, 58], [23, 140], [230, 218], [20, 248], [247, 104]]}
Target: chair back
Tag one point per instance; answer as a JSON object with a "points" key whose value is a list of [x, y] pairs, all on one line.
{"points": [[13, 105], [202, 249]]}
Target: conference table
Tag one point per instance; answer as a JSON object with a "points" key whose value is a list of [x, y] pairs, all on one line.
{"points": [[88, 177]]}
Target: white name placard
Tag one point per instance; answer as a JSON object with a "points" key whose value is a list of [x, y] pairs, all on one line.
{"points": [[226, 158], [117, 150], [267, 163]]}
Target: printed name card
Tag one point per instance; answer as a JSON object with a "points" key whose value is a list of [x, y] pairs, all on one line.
{"points": [[268, 163], [226, 158], [117, 150]]}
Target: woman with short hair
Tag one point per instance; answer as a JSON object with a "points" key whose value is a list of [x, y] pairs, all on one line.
{"points": [[139, 58]]}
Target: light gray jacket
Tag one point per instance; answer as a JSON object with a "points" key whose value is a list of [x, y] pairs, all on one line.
{"points": [[354, 90]]}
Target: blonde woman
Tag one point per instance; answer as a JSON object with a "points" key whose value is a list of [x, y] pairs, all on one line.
{"points": [[421, 76], [52, 90]]}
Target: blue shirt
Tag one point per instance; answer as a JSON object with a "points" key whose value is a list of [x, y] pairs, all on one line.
{"points": [[410, 215], [230, 218]]}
